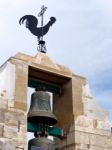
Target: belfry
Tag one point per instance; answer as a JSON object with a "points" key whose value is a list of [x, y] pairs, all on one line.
{"points": [[75, 121]]}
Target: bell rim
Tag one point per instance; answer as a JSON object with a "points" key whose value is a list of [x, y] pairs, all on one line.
{"points": [[42, 118]]}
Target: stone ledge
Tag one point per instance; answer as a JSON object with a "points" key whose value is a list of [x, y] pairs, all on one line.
{"points": [[93, 140], [43, 61], [93, 131], [89, 147]]}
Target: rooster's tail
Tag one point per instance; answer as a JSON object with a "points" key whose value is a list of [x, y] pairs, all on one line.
{"points": [[30, 21]]}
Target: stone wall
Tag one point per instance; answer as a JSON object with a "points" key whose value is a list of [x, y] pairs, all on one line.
{"points": [[13, 125], [91, 128]]}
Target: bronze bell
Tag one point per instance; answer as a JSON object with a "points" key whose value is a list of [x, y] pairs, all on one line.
{"points": [[40, 109], [41, 143]]}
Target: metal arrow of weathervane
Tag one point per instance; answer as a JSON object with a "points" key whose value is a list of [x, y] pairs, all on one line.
{"points": [[31, 23]]}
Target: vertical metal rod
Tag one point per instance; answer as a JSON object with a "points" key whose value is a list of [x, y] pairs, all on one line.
{"points": [[42, 30], [41, 14], [42, 26]]}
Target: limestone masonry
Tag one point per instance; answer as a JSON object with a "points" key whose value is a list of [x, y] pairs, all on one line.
{"points": [[86, 125]]}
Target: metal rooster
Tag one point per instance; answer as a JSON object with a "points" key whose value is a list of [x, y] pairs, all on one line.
{"points": [[31, 23]]}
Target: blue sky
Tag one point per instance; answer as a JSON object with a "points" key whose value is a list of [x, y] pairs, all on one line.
{"points": [[81, 38]]}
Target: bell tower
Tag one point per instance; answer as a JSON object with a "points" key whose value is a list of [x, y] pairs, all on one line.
{"points": [[76, 122], [80, 121]]}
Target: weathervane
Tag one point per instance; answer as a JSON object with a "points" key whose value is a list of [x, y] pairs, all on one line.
{"points": [[31, 24]]}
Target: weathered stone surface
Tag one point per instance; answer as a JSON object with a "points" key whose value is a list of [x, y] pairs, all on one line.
{"points": [[83, 121], [7, 144], [24, 57], [10, 132], [22, 135], [93, 131], [22, 118], [101, 141], [7, 81], [43, 60], [70, 138], [91, 109], [86, 92], [87, 147], [20, 149], [17, 110], [14, 118], [3, 104], [105, 125], [85, 124], [20, 105], [81, 137], [78, 106], [21, 85], [65, 116], [10, 104], [11, 118], [2, 116], [1, 130]]}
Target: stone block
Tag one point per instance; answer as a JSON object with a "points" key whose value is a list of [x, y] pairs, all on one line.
{"points": [[23, 129], [11, 118], [21, 139], [70, 138], [15, 117], [17, 110], [77, 83], [22, 135], [100, 141], [90, 130], [10, 132], [20, 105], [7, 144], [1, 116], [21, 85], [110, 141], [86, 92], [20, 149], [105, 125], [81, 147], [94, 111], [108, 149], [1, 130], [3, 104], [81, 137], [10, 104], [22, 118], [21, 145], [88, 147], [84, 121]]}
